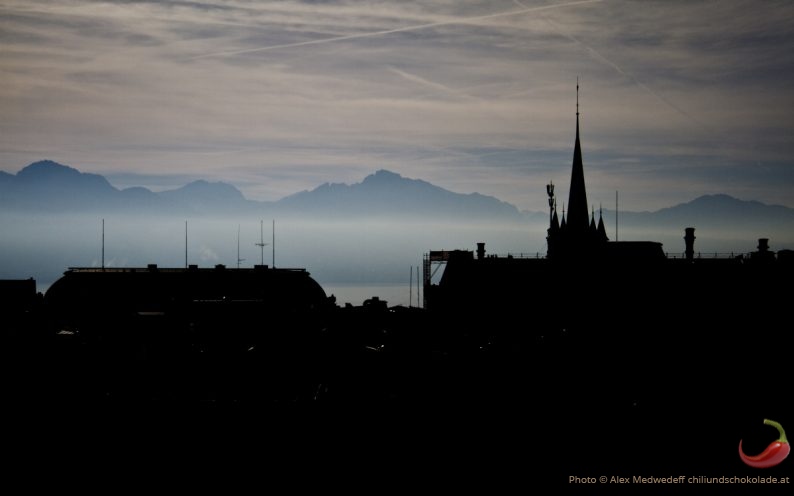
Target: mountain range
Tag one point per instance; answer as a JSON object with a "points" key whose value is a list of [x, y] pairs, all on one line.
{"points": [[48, 186]]}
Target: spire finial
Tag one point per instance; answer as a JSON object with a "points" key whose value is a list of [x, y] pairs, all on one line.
{"points": [[577, 96]]}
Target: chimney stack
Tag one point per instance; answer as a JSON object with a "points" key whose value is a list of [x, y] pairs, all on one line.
{"points": [[480, 251], [689, 239]]}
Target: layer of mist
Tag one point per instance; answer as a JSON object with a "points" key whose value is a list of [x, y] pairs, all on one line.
{"points": [[363, 251]]}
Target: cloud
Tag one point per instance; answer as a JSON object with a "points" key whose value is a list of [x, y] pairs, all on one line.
{"points": [[464, 20], [474, 95]]}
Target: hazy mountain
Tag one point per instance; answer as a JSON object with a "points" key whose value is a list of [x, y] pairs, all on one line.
{"points": [[715, 212], [204, 196], [48, 186], [48, 174], [385, 193], [367, 232], [724, 210]]}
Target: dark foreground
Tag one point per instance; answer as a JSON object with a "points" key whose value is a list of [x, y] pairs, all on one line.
{"points": [[406, 386]]}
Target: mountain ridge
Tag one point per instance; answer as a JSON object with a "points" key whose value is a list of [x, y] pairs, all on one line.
{"points": [[47, 185]]}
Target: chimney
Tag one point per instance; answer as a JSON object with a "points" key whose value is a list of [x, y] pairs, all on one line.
{"points": [[480, 251], [689, 239], [763, 245]]}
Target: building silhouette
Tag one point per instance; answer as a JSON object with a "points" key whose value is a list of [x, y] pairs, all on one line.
{"points": [[186, 334], [579, 236], [582, 267]]}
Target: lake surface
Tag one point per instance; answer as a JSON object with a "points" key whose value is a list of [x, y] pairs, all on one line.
{"points": [[356, 293]]}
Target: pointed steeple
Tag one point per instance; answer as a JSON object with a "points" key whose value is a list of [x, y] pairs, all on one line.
{"points": [[602, 232], [577, 196], [563, 225], [593, 228]]}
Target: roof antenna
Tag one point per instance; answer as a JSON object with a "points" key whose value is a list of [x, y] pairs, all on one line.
{"points": [[186, 245], [273, 244], [238, 247], [261, 243], [410, 285], [103, 244]]}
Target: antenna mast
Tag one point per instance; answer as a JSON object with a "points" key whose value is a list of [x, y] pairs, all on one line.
{"points": [[616, 215], [186, 244], [273, 244], [410, 286], [238, 247], [261, 243], [103, 244]]}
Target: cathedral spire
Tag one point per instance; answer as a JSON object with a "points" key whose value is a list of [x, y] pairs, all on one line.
{"points": [[578, 220], [602, 232]]}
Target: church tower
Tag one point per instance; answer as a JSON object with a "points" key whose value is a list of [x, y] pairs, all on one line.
{"points": [[578, 235], [578, 220]]}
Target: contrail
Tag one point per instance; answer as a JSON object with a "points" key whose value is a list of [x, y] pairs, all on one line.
{"points": [[618, 69], [463, 20], [432, 84]]}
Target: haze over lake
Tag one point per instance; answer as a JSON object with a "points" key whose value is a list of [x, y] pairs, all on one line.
{"points": [[347, 235]]}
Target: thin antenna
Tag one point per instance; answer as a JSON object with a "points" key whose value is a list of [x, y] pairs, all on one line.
{"points": [[103, 244], [186, 244], [410, 286], [261, 243], [238, 247], [418, 305], [577, 96], [273, 244], [616, 215]]}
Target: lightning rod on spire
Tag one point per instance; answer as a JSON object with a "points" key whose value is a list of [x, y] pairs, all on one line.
{"points": [[577, 96]]}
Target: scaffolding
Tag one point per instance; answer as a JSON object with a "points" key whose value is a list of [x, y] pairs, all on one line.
{"points": [[431, 262]]}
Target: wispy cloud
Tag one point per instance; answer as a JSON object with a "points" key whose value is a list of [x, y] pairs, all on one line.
{"points": [[476, 96], [464, 20]]}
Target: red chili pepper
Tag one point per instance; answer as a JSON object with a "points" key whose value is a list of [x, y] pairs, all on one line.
{"points": [[775, 453]]}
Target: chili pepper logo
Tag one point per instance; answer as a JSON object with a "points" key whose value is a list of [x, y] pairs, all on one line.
{"points": [[776, 452]]}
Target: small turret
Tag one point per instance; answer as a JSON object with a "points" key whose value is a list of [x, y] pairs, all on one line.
{"points": [[602, 232]]}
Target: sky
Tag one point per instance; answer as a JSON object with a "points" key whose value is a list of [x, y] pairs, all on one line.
{"points": [[677, 98]]}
